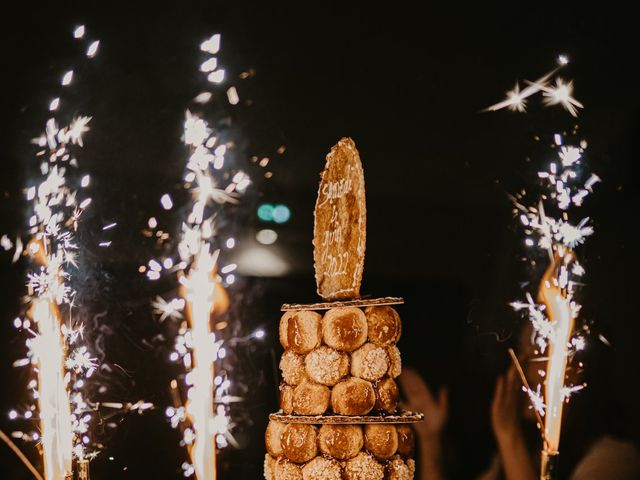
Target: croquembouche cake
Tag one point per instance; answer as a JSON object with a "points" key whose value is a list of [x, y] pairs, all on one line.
{"points": [[339, 416]]}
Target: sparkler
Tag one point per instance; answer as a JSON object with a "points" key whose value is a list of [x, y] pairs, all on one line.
{"points": [[212, 182], [549, 228], [55, 349]]}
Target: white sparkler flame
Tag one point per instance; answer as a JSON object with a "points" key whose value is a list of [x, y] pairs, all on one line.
{"points": [[48, 352], [199, 293], [561, 319], [196, 130]]}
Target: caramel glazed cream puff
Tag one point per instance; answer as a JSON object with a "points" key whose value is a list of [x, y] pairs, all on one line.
{"points": [[345, 361], [338, 452]]}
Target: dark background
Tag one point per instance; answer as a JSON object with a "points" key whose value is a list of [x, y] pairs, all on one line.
{"points": [[407, 84]]}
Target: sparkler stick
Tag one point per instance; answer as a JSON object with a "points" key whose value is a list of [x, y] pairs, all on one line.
{"points": [[83, 470], [523, 378], [20, 455], [553, 317]]}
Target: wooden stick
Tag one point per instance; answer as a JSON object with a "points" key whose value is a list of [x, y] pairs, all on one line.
{"points": [[20, 455]]}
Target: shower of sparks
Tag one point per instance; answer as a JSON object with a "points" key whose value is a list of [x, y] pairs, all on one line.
{"points": [[550, 227], [212, 182], [560, 93], [60, 361], [55, 350]]}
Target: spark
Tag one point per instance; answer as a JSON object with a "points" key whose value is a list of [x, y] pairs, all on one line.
{"points": [[166, 202], [217, 76], [516, 99], [209, 65], [537, 400], [569, 155], [229, 268], [155, 266], [561, 94], [196, 131], [6, 243], [232, 96], [77, 128], [203, 97], [566, 392], [171, 309], [93, 49], [54, 104], [153, 275], [578, 343], [211, 45], [66, 79], [593, 179]]}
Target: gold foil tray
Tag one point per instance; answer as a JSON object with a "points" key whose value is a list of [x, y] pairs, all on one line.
{"points": [[400, 417], [362, 302]]}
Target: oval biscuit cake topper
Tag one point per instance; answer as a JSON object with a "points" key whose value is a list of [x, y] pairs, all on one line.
{"points": [[339, 235]]}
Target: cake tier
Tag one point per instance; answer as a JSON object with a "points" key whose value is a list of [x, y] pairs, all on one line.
{"points": [[345, 360], [340, 452]]}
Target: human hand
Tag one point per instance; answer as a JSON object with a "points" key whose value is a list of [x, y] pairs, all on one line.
{"points": [[419, 398], [505, 407]]}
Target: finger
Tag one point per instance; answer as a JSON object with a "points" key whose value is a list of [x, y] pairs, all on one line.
{"points": [[498, 392], [512, 375], [513, 384], [415, 387], [443, 400]]}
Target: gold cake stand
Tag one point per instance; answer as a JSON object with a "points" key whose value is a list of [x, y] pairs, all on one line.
{"points": [[361, 302], [400, 417]]}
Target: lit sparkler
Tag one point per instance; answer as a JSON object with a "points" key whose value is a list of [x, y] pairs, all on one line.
{"points": [[55, 349], [549, 228], [212, 182]]}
